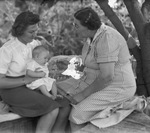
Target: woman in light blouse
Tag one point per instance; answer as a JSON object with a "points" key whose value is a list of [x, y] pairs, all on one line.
{"points": [[14, 55]]}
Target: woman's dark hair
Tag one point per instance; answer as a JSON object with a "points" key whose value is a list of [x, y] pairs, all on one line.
{"points": [[145, 5], [88, 18], [22, 21]]}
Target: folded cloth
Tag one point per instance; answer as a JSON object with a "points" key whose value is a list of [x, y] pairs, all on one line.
{"points": [[5, 114], [138, 103], [147, 109], [4, 108], [9, 117], [113, 115], [112, 119]]}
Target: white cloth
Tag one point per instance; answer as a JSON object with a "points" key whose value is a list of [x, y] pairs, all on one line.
{"points": [[9, 117], [47, 81], [113, 115], [14, 56]]}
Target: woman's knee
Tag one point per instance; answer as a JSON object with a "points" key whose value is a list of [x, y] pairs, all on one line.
{"points": [[54, 113], [65, 111]]}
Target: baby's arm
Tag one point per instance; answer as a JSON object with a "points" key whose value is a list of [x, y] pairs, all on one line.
{"points": [[45, 92], [37, 74], [33, 71]]}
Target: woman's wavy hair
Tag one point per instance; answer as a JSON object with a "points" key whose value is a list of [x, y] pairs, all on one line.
{"points": [[22, 21], [88, 18]]}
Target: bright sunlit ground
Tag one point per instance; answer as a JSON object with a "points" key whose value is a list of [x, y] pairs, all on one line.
{"points": [[112, 2]]}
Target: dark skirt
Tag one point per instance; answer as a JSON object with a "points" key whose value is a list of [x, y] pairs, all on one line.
{"points": [[30, 103]]}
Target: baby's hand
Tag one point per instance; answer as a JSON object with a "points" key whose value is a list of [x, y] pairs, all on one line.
{"points": [[41, 74], [52, 97], [59, 96]]}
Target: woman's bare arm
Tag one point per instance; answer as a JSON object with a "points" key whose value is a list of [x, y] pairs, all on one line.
{"points": [[7, 83], [36, 74]]}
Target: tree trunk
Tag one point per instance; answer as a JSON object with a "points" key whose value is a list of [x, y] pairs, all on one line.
{"points": [[139, 23], [134, 49]]}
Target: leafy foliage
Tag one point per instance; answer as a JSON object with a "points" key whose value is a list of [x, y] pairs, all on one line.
{"points": [[56, 21]]}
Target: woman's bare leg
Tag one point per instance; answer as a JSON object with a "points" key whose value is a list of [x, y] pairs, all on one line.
{"points": [[46, 122], [76, 127], [62, 120]]}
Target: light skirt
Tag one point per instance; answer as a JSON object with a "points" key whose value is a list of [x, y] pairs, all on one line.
{"points": [[92, 108]]}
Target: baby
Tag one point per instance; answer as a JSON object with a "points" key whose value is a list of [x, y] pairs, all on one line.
{"points": [[37, 67]]}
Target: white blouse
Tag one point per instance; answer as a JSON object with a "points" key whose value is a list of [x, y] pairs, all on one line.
{"points": [[14, 56]]}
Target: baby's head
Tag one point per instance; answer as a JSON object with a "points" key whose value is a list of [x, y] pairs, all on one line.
{"points": [[41, 54]]}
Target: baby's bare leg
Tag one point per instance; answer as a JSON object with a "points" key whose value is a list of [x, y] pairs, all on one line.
{"points": [[44, 91], [54, 89]]}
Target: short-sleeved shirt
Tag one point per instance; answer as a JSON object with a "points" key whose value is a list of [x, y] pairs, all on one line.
{"points": [[107, 46], [14, 56]]}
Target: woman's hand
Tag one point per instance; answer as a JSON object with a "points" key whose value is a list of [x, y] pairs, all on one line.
{"points": [[78, 98]]}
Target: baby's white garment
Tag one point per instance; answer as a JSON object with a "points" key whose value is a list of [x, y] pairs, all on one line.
{"points": [[47, 81]]}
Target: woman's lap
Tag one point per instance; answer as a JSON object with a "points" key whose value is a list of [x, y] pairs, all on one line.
{"points": [[73, 86], [86, 109], [29, 103]]}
